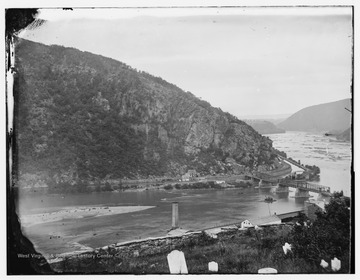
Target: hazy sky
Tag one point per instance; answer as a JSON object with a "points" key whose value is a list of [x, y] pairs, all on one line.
{"points": [[247, 61]]}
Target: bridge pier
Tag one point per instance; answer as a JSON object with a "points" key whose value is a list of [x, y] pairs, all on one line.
{"points": [[281, 189], [300, 193]]}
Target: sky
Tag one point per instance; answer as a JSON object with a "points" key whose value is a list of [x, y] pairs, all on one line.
{"points": [[247, 61]]}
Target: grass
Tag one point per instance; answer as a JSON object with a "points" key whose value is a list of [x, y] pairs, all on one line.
{"points": [[235, 253]]}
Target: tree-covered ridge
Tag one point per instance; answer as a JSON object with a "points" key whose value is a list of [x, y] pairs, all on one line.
{"points": [[62, 122], [84, 116]]}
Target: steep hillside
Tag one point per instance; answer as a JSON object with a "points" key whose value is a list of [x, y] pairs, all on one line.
{"points": [[324, 117], [81, 116], [264, 127]]}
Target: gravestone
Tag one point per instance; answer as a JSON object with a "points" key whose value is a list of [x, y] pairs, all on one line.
{"points": [[324, 264], [335, 264], [267, 270], [286, 248], [213, 266], [177, 263]]}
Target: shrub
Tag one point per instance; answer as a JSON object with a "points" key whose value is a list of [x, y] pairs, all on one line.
{"points": [[168, 187], [204, 239], [108, 187], [328, 236]]}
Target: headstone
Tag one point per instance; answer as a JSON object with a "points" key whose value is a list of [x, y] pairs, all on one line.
{"points": [[286, 248], [267, 270], [324, 264], [177, 263], [335, 264], [213, 266]]}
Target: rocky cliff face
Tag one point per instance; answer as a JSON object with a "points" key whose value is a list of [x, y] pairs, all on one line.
{"points": [[101, 118]]}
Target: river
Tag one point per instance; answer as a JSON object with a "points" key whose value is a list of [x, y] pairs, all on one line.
{"points": [[332, 156], [198, 209]]}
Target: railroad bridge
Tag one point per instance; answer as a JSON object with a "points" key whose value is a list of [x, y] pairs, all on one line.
{"points": [[303, 188], [282, 186]]}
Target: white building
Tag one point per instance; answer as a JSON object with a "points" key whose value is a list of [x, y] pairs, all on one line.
{"points": [[185, 177], [269, 220]]}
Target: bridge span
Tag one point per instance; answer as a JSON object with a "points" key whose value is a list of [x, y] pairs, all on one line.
{"points": [[282, 186], [304, 185]]}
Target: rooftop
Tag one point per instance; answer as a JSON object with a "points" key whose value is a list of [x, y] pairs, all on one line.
{"points": [[265, 220]]}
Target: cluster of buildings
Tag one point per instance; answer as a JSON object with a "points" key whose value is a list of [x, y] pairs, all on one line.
{"points": [[189, 176], [310, 209]]}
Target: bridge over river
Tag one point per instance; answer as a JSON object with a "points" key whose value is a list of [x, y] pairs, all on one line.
{"points": [[283, 184]]}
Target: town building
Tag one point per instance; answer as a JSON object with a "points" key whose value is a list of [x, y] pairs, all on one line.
{"points": [[263, 221], [185, 177], [192, 173]]}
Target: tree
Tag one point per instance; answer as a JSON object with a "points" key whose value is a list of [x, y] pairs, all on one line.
{"points": [[108, 187], [328, 236]]}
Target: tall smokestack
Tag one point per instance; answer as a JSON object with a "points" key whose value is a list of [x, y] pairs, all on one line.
{"points": [[175, 215]]}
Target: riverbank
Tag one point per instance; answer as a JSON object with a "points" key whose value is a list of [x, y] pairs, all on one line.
{"points": [[66, 213], [236, 252]]}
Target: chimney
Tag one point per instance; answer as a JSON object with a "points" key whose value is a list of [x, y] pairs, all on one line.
{"points": [[175, 215]]}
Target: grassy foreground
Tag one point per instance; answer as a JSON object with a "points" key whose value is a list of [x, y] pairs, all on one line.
{"points": [[235, 253]]}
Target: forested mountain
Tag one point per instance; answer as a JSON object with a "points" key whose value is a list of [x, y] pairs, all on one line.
{"points": [[319, 118], [264, 127], [81, 116]]}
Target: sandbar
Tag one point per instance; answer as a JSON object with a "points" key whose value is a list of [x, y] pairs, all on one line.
{"points": [[78, 213]]}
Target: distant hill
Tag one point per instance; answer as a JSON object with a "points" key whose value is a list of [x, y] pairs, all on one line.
{"points": [[319, 118], [264, 127], [265, 117], [85, 117], [345, 135]]}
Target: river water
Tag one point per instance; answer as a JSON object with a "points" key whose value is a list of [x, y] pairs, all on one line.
{"points": [[198, 209], [332, 156]]}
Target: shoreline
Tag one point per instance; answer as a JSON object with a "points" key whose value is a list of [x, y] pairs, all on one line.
{"points": [[116, 249], [78, 212]]}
